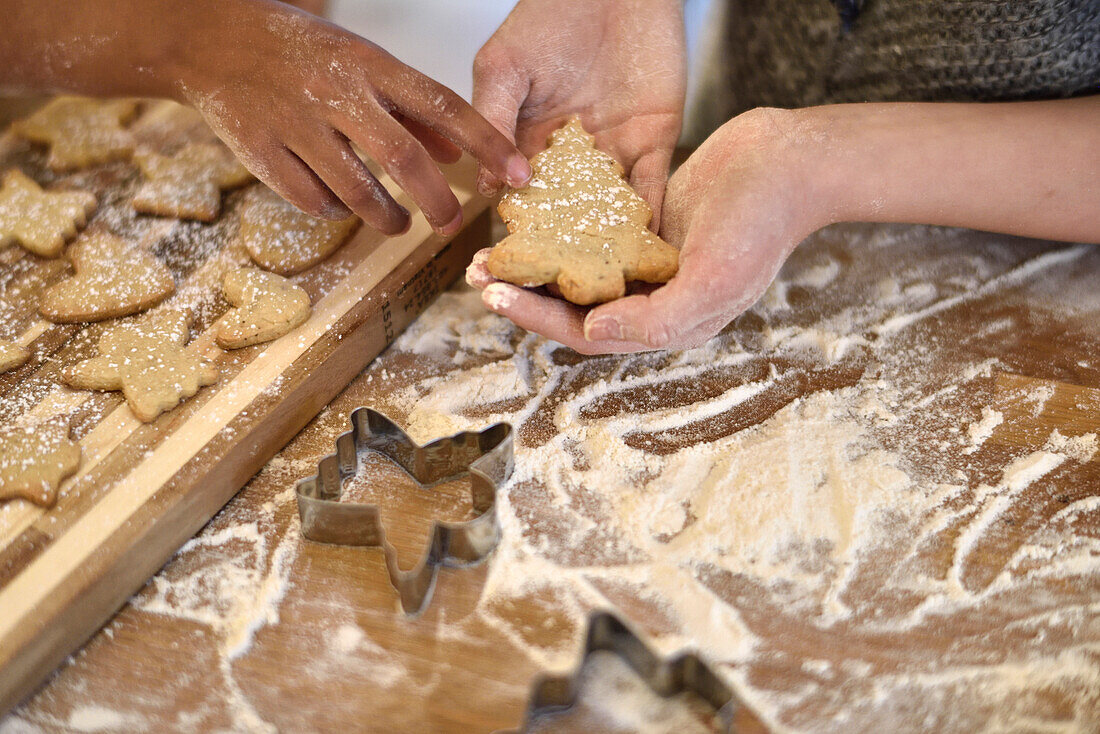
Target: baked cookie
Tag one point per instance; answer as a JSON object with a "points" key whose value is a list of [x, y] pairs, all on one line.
{"points": [[41, 221], [81, 131], [579, 224], [12, 355], [148, 361], [111, 278], [266, 307], [284, 240], [188, 184], [34, 459]]}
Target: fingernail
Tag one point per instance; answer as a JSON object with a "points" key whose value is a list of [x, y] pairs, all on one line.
{"points": [[335, 212], [483, 187], [475, 271], [601, 329], [471, 275], [453, 226], [499, 296], [519, 172], [407, 226]]}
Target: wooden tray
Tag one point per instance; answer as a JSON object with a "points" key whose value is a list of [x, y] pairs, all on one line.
{"points": [[144, 489]]}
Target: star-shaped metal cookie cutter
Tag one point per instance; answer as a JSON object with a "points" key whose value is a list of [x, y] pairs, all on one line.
{"points": [[487, 458], [683, 672]]}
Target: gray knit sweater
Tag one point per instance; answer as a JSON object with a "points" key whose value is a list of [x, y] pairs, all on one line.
{"points": [[794, 53]]}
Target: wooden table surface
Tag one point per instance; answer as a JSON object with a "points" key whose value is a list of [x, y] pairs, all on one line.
{"points": [[143, 489], [909, 545]]}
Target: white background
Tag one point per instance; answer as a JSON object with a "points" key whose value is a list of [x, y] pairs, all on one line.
{"points": [[440, 37]]}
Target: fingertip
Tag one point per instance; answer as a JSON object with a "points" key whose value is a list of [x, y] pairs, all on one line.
{"points": [[601, 328], [447, 155], [453, 226], [488, 185], [393, 223], [407, 225], [628, 320], [499, 297], [388, 217], [445, 216], [319, 204], [519, 171], [477, 272], [474, 277], [334, 211]]}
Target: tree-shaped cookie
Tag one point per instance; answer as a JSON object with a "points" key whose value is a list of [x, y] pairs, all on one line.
{"points": [[188, 184], [40, 221], [285, 240], [12, 355], [81, 131], [266, 307], [148, 361], [111, 278], [579, 224], [34, 459]]}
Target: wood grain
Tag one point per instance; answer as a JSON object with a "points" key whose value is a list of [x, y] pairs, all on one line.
{"points": [[144, 489], [1072, 410], [252, 628]]}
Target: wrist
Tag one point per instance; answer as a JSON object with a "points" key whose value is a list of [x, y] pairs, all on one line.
{"points": [[192, 50], [776, 153], [649, 15], [821, 156], [843, 178], [184, 42]]}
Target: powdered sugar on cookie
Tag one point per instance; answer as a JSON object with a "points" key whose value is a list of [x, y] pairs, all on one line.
{"points": [[41, 221], [579, 224]]}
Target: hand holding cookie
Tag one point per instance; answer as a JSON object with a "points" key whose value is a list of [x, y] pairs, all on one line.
{"points": [[579, 225], [735, 209], [620, 66]]}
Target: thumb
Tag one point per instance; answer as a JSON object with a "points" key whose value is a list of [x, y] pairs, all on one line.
{"points": [[709, 290], [656, 320], [660, 318], [500, 89], [649, 176]]}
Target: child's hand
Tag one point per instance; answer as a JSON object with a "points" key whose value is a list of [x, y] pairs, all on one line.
{"points": [[291, 94], [618, 64], [767, 179], [736, 209]]}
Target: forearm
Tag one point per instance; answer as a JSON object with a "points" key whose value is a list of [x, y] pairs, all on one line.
{"points": [[316, 7], [1023, 168], [108, 47]]}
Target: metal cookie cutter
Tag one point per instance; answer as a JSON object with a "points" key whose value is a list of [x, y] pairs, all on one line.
{"points": [[485, 456], [684, 672]]}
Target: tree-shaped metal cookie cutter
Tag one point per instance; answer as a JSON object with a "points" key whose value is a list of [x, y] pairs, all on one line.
{"points": [[684, 672], [487, 458]]}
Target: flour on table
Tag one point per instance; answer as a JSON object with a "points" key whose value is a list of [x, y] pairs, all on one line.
{"points": [[1080, 448], [614, 700], [98, 718], [631, 480], [810, 500], [979, 431]]}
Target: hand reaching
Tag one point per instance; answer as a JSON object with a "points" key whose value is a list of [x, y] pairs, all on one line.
{"points": [[292, 94]]}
